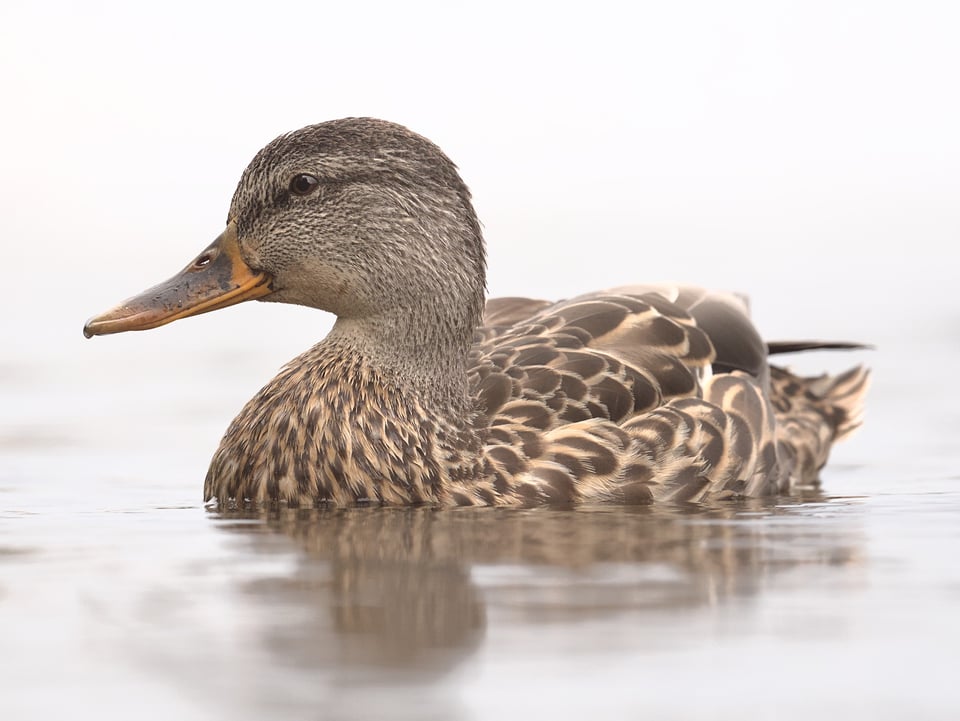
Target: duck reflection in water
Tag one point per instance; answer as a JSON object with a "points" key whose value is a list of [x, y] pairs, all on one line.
{"points": [[413, 590]]}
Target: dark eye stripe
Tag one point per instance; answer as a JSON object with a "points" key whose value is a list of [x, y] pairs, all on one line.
{"points": [[304, 184]]}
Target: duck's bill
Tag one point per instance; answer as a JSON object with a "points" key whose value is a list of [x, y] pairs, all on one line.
{"points": [[218, 277]]}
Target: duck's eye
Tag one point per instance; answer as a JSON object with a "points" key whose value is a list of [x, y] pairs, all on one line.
{"points": [[304, 184]]}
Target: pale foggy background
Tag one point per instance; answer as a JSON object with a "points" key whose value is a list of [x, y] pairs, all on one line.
{"points": [[804, 152]]}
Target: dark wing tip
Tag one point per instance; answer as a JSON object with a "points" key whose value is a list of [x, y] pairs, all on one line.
{"points": [[799, 346]]}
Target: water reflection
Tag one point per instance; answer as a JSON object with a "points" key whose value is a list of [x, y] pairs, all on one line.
{"points": [[410, 591]]}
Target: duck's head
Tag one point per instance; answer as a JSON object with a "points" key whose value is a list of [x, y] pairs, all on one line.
{"points": [[359, 217]]}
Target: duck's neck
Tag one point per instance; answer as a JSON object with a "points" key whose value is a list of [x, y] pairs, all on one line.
{"points": [[378, 411], [418, 351]]}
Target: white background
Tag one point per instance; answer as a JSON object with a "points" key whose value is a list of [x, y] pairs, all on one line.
{"points": [[806, 153]]}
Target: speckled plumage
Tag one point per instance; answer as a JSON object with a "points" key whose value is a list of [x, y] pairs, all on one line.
{"points": [[631, 395]]}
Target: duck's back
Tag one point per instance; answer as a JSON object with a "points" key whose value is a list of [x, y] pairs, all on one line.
{"points": [[644, 393]]}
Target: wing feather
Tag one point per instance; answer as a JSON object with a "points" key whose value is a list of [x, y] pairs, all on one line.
{"points": [[643, 393]]}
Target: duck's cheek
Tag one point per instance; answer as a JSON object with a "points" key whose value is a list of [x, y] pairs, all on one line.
{"points": [[249, 253], [318, 284]]}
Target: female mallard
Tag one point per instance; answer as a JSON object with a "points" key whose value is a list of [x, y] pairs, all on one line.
{"points": [[420, 394]]}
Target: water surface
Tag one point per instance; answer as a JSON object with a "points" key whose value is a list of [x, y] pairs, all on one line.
{"points": [[122, 596]]}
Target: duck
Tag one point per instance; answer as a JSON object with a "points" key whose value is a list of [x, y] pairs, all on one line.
{"points": [[423, 392]]}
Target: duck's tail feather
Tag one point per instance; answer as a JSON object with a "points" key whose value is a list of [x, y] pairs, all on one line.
{"points": [[814, 412]]}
